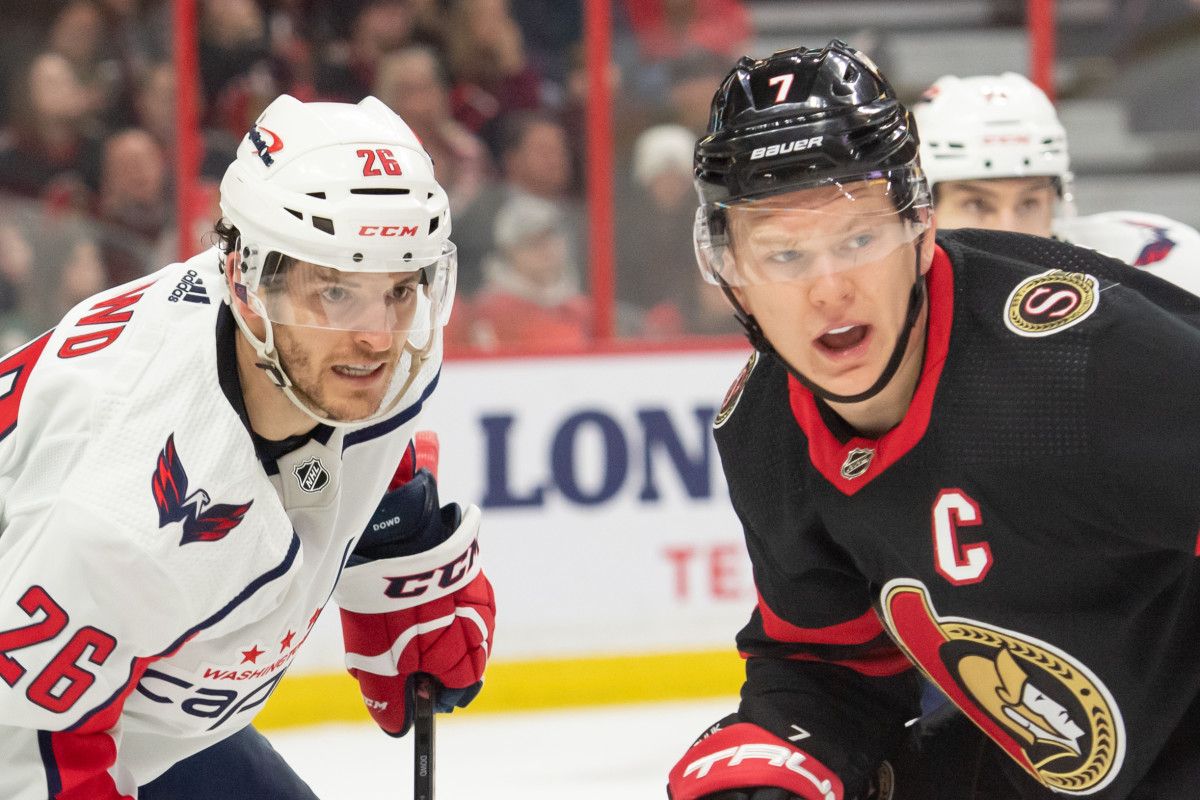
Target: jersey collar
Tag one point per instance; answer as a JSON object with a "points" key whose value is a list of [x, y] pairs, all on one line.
{"points": [[842, 463]]}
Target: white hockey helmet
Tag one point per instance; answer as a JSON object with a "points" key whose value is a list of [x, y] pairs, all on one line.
{"points": [[990, 126], [348, 188]]}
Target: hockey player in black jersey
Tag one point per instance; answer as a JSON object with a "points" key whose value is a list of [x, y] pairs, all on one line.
{"points": [[970, 458]]}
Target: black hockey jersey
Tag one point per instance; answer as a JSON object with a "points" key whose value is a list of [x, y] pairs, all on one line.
{"points": [[1026, 536]]}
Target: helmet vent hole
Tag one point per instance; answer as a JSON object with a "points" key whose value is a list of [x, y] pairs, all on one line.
{"points": [[294, 213], [408, 256], [987, 163], [323, 224], [850, 76], [374, 190], [433, 224], [429, 195], [357, 258], [318, 195]]}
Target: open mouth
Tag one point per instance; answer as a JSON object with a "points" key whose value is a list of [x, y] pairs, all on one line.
{"points": [[843, 339]]}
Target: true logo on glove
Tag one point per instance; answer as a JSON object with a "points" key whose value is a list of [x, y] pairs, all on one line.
{"points": [[775, 755]]}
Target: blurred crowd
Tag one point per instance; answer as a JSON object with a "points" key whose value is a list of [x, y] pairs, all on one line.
{"points": [[495, 89]]}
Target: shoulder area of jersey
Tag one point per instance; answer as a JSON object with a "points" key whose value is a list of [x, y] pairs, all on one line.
{"points": [[1037, 286], [1135, 237], [122, 344], [123, 317], [733, 395]]}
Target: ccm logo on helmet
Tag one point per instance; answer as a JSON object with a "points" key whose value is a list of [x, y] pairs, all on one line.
{"points": [[794, 146], [388, 230]]}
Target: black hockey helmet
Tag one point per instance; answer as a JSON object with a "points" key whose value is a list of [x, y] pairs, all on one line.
{"points": [[799, 117], [805, 119]]}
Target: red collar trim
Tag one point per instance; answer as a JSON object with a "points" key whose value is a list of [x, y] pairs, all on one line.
{"points": [[828, 454]]}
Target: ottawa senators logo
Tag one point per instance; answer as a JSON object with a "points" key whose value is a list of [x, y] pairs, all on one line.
{"points": [[1051, 302], [735, 391], [1044, 708]]}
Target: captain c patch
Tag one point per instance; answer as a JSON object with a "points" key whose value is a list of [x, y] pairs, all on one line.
{"points": [[1051, 302]]}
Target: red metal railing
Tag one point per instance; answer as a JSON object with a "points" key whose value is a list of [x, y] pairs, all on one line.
{"points": [[1040, 20]]}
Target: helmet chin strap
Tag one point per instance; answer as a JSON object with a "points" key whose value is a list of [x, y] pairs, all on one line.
{"points": [[269, 362], [760, 342]]}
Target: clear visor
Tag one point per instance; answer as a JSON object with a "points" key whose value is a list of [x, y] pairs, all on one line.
{"points": [[299, 293], [830, 227]]}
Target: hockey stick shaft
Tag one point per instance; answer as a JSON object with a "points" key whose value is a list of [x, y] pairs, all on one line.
{"points": [[423, 739]]}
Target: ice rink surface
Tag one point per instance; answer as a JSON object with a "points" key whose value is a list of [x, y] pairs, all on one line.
{"points": [[581, 754]]}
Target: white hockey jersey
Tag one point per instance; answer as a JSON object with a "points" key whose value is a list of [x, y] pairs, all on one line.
{"points": [[1160, 245], [156, 577]]}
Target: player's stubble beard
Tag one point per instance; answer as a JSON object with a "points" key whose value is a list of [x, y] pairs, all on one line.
{"points": [[310, 376]]}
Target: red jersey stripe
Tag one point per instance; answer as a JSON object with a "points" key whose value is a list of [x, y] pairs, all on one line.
{"points": [[880, 663], [83, 755], [855, 631]]}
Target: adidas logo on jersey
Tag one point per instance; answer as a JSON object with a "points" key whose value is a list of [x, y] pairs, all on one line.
{"points": [[190, 289]]}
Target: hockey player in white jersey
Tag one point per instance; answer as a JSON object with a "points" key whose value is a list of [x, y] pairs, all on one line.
{"points": [[996, 156], [192, 465]]}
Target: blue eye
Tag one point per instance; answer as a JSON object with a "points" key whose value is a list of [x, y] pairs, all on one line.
{"points": [[333, 294], [859, 241], [784, 256]]}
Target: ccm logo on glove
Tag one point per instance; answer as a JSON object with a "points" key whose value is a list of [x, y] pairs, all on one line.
{"points": [[446, 575]]}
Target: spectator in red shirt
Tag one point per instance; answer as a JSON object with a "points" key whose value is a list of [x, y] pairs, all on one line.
{"points": [[531, 295]]}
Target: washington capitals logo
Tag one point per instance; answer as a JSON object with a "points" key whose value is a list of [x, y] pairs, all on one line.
{"points": [[202, 521], [1158, 248], [261, 145]]}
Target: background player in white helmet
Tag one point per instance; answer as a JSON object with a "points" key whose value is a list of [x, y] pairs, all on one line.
{"points": [[996, 156], [192, 465]]}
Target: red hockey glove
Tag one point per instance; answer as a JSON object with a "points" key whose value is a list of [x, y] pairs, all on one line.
{"points": [[414, 600], [745, 762]]}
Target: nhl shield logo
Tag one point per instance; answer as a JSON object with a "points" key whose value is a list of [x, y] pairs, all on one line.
{"points": [[857, 462], [312, 475]]}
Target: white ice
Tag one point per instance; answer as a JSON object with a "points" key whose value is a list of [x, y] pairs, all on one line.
{"points": [[568, 754]]}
